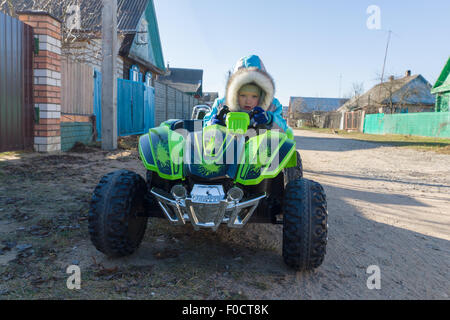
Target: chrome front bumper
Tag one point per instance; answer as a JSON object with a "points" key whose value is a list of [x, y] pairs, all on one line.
{"points": [[206, 214]]}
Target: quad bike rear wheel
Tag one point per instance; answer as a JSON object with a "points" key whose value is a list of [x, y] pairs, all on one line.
{"points": [[304, 224], [117, 220]]}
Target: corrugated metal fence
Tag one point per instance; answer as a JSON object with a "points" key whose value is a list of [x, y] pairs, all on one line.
{"points": [[428, 124], [16, 84], [77, 87]]}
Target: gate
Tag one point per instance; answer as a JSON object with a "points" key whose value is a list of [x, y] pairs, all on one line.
{"points": [[135, 106], [16, 84], [352, 120]]}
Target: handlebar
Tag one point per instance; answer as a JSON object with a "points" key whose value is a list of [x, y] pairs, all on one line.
{"points": [[253, 125], [222, 115]]}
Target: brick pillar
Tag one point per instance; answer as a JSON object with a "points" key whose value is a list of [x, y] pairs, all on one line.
{"points": [[47, 79]]}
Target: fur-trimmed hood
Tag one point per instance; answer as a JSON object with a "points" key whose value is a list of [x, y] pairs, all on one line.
{"points": [[249, 69]]}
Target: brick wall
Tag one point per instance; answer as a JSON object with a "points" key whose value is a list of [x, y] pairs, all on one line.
{"points": [[47, 80]]}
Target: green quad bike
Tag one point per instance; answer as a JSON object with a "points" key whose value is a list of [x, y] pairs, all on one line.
{"points": [[209, 176]]}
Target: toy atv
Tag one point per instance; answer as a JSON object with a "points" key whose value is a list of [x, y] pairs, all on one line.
{"points": [[211, 176], [199, 111]]}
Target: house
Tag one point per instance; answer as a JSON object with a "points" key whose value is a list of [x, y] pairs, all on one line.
{"points": [[189, 81], [442, 89], [308, 104], [208, 98], [67, 64], [285, 112], [410, 93], [138, 35], [306, 108]]}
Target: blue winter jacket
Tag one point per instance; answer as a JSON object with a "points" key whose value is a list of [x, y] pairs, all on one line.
{"points": [[250, 69]]}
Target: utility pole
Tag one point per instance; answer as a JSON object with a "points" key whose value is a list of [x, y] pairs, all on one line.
{"points": [[385, 55], [109, 81]]}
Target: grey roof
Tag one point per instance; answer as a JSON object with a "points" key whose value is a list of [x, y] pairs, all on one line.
{"points": [[409, 90], [211, 95], [309, 104], [186, 80], [129, 12]]}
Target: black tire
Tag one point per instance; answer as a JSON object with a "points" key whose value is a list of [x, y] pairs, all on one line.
{"points": [[152, 204], [294, 173], [117, 219], [304, 224]]}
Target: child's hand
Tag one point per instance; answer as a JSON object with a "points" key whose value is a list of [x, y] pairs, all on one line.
{"points": [[215, 120], [260, 116]]}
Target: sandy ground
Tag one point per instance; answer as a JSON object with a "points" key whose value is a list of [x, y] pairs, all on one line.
{"points": [[388, 207]]}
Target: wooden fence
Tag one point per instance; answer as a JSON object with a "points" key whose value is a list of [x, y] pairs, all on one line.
{"points": [[77, 94], [77, 87], [332, 120], [171, 103], [318, 119]]}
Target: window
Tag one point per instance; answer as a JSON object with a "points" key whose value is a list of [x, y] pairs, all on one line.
{"points": [[148, 79], [135, 75]]}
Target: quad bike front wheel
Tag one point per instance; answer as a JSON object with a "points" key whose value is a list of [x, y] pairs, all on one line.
{"points": [[304, 224], [294, 173], [117, 219]]}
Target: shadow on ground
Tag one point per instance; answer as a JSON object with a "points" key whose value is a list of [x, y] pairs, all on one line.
{"points": [[348, 144], [179, 263]]}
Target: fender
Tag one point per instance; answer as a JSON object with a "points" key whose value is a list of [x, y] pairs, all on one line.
{"points": [[161, 151], [265, 156]]}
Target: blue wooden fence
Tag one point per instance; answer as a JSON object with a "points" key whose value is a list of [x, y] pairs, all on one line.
{"points": [[135, 106]]}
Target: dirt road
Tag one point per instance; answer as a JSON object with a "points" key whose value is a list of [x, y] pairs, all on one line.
{"points": [[388, 207]]}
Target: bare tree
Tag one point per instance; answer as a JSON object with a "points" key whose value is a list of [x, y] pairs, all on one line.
{"points": [[299, 105], [69, 13], [63, 9], [396, 93], [354, 94]]}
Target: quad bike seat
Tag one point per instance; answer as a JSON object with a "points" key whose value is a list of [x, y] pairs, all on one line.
{"points": [[189, 125]]}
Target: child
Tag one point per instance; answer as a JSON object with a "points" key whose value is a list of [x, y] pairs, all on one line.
{"points": [[250, 88]]}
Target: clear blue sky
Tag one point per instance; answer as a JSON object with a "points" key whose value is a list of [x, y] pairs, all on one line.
{"points": [[305, 45]]}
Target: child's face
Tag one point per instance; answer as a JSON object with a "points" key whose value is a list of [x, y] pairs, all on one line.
{"points": [[248, 100]]}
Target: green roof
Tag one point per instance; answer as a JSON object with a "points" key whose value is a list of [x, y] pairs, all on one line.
{"points": [[154, 36], [443, 82], [145, 46]]}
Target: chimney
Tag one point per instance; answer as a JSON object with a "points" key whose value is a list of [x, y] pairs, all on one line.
{"points": [[408, 73], [167, 72], [391, 78]]}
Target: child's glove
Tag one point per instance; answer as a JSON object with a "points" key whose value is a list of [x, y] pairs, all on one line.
{"points": [[215, 120], [260, 116], [219, 118]]}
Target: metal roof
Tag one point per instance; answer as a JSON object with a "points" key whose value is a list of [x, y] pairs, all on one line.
{"points": [[129, 12], [309, 104], [412, 90], [186, 80]]}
